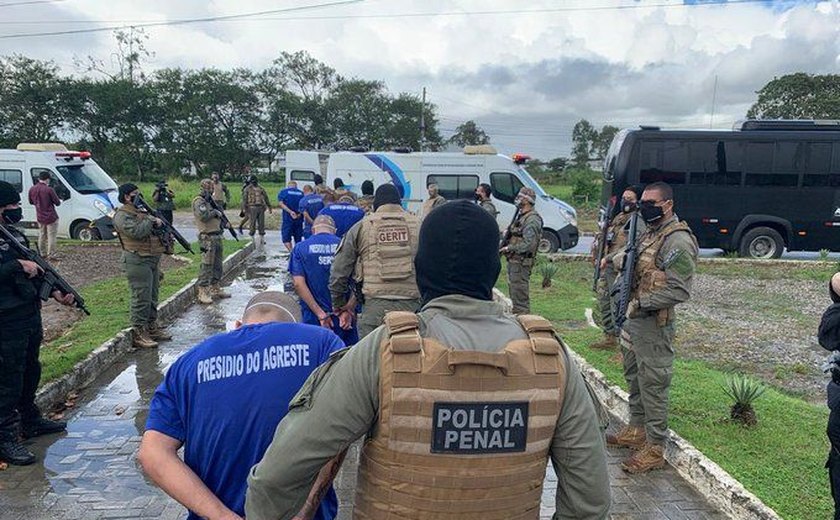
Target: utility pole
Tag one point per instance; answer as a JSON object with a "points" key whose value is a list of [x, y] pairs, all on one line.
{"points": [[423, 123], [714, 100]]}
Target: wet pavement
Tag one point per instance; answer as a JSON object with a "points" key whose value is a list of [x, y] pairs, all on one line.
{"points": [[90, 472]]}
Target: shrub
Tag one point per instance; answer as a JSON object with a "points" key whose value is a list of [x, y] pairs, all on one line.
{"points": [[744, 391]]}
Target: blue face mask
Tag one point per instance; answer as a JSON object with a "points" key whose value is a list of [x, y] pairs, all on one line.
{"points": [[13, 216]]}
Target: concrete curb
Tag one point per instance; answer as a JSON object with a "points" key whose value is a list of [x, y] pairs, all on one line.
{"points": [[581, 257], [85, 371], [710, 480]]}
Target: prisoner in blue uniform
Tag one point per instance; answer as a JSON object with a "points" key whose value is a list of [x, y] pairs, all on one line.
{"points": [[344, 216], [292, 227], [224, 398], [309, 266], [310, 204]]}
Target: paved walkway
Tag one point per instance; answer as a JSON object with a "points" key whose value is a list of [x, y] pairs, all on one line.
{"points": [[91, 471]]}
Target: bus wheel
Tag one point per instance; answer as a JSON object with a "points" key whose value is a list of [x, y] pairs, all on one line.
{"points": [[761, 242], [549, 243], [82, 231]]}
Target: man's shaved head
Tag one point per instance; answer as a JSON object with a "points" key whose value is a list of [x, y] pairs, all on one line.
{"points": [[271, 306]]}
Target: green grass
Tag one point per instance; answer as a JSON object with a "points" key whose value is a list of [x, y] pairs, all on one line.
{"points": [[108, 303], [587, 215], [781, 460], [186, 190], [810, 271]]}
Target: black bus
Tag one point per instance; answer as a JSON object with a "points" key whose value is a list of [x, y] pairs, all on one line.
{"points": [[758, 189]]}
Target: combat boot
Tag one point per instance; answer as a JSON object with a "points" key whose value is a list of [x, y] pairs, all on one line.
{"points": [[217, 292], [15, 453], [141, 338], [629, 436], [204, 296], [158, 333], [41, 426], [609, 342], [651, 457]]}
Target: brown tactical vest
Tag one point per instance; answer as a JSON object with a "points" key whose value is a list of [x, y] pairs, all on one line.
{"points": [[648, 277], [517, 228], [386, 255], [149, 246], [218, 191], [616, 237], [254, 196], [213, 225], [461, 434]]}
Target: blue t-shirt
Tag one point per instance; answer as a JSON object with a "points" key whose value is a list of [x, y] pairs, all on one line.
{"points": [[291, 198], [225, 397], [312, 259], [344, 215], [311, 204]]}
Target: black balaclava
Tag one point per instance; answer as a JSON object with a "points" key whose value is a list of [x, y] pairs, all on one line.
{"points": [[8, 194], [458, 252], [318, 180], [124, 190], [367, 188], [386, 194]]}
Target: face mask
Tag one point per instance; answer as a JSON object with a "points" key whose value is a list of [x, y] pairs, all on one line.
{"points": [[13, 216], [651, 212], [627, 206], [477, 197]]}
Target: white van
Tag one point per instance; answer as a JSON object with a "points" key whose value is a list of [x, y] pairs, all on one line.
{"points": [[87, 193], [456, 174]]}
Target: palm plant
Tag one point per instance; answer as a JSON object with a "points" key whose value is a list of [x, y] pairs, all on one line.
{"points": [[547, 270], [744, 391]]}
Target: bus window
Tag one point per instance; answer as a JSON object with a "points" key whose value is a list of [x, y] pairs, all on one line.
{"points": [[505, 186], [702, 162], [302, 175], [760, 163], [664, 161], [13, 177], [452, 187], [819, 172]]}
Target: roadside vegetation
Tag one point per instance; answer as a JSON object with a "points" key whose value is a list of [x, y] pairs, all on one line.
{"points": [[780, 459], [108, 302], [186, 190]]}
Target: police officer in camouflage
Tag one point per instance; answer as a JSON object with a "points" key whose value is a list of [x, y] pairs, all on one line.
{"points": [[383, 245], [482, 197], [21, 333], [520, 247], [462, 404], [209, 227], [667, 256], [139, 234], [616, 240], [254, 203]]}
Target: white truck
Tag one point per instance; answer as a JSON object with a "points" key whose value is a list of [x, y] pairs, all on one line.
{"points": [[456, 174], [87, 193]]}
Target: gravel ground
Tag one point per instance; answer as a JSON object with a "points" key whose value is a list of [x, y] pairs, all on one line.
{"points": [[766, 327], [80, 265]]}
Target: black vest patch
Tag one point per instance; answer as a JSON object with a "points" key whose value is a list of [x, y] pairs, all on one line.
{"points": [[479, 428]]}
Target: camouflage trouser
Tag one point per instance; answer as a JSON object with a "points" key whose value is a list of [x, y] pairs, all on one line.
{"points": [[519, 276], [211, 259], [648, 367], [143, 273], [606, 302], [256, 216], [375, 309]]}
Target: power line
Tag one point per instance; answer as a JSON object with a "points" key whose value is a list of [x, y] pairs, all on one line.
{"points": [[185, 21], [30, 2], [260, 16]]}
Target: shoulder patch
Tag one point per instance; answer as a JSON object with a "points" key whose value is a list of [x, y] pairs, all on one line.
{"points": [[679, 261]]}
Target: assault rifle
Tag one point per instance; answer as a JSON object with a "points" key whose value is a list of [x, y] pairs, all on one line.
{"points": [[507, 236], [168, 231], [50, 280], [208, 198], [602, 244], [628, 271]]}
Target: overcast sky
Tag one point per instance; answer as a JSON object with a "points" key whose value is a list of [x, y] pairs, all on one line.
{"points": [[524, 70]]}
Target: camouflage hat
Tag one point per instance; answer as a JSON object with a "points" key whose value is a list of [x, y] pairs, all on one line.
{"points": [[324, 222], [528, 194], [206, 185]]}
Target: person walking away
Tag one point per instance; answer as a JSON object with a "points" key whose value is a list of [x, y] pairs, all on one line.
{"points": [[139, 237], [164, 200], [462, 404], [292, 226], [341, 190], [209, 225], [383, 246], [221, 194], [222, 400], [667, 258], [309, 206], [21, 333], [521, 250], [344, 213], [254, 203], [365, 202], [45, 200], [309, 266]]}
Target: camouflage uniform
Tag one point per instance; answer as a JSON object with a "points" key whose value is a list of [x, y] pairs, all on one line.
{"points": [[430, 204], [525, 234], [366, 203], [663, 276], [616, 242], [254, 203], [210, 240], [489, 207]]}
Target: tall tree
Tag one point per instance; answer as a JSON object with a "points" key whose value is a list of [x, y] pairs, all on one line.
{"points": [[583, 135], [359, 114], [404, 125], [602, 141], [798, 96], [469, 133]]}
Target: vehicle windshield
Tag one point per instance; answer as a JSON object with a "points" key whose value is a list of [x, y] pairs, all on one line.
{"points": [[612, 154], [531, 183], [87, 178]]}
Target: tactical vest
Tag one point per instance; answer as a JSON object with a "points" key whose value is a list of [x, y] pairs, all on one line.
{"points": [[213, 225], [218, 191], [461, 434], [648, 276], [430, 204], [254, 196], [388, 245], [147, 246], [517, 227], [616, 237]]}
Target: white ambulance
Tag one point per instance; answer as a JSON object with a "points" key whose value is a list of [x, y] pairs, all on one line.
{"points": [[456, 174], [87, 193]]}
